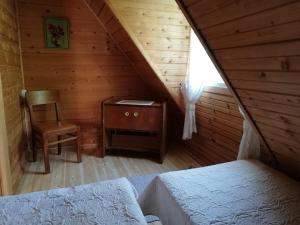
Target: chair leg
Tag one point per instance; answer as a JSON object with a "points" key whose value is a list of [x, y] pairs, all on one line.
{"points": [[59, 145], [46, 155], [78, 142]]}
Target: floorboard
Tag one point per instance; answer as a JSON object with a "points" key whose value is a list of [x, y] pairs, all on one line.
{"points": [[66, 173]]}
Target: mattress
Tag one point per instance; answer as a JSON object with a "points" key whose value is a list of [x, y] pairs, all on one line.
{"points": [[106, 203], [240, 192]]}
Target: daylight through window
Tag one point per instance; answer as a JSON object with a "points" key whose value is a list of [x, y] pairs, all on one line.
{"points": [[201, 68]]}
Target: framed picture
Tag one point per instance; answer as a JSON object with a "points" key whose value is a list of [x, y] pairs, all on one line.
{"points": [[56, 32]]}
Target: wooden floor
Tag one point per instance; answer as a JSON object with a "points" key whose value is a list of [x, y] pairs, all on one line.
{"points": [[92, 169]]}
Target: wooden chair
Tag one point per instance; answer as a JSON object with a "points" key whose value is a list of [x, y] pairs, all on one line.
{"points": [[43, 131]]}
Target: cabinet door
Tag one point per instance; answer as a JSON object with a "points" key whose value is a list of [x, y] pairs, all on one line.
{"points": [[133, 118]]}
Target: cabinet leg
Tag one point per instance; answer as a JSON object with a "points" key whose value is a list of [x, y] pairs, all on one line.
{"points": [[59, 145], [78, 145], [34, 151], [161, 159]]}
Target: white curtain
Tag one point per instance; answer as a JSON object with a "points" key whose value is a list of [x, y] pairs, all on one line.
{"points": [[250, 144], [192, 87], [200, 72], [191, 96]]}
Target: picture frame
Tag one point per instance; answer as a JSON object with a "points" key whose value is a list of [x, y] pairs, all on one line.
{"points": [[56, 33]]}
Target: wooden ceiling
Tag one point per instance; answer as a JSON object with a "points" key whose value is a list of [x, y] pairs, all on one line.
{"points": [[161, 33], [257, 45], [106, 17]]}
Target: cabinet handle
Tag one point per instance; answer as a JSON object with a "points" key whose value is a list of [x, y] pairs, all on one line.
{"points": [[135, 114], [126, 114]]}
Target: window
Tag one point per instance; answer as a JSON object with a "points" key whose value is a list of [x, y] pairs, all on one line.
{"points": [[201, 68]]}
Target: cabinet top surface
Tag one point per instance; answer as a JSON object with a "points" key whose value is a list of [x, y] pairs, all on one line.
{"points": [[114, 101]]}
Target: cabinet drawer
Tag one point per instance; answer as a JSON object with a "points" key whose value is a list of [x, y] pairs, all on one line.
{"points": [[133, 118]]}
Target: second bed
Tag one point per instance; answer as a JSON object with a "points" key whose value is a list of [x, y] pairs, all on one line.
{"points": [[240, 192]]}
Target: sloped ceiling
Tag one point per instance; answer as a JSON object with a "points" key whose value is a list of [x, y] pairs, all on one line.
{"points": [[126, 44], [161, 33], [257, 45]]}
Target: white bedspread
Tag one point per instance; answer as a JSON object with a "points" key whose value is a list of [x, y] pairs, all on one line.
{"points": [[106, 203], [240, 192]]}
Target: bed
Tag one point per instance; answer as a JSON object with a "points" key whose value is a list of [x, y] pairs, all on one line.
{"points": [[106, 203], [240, 192]]}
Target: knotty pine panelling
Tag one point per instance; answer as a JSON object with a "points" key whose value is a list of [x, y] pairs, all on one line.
{"points": [[111, 24], [257, 44], [161, 32], [107, 19], [91, 70], [12, 83], [219, 125]]}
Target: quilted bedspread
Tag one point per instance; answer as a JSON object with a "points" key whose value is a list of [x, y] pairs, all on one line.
{"points": [[106, 203], [242, 192]]}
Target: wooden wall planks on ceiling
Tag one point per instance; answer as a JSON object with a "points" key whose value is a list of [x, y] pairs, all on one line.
{"points": [[12, 83], [112, 26], [91, 70], [257, 44], [161, 33]]}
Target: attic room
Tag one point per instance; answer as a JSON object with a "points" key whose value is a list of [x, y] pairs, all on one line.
{"points": [[161, 112]]}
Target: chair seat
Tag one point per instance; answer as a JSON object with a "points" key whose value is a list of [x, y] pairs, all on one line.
{"points": [[54, 127]]}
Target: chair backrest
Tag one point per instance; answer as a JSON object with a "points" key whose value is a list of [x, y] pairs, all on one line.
{"points": [[43, 97]]}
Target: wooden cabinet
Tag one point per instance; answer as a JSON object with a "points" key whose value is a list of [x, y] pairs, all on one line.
{"points": [[134, 127]]}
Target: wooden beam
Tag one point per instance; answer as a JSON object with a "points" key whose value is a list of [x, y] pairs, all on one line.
{"points": [[225, 78]]}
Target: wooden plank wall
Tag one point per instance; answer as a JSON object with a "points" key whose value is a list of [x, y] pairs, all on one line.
{"points": [[111, 24], [119, 34], [219, 125], [161, 32], [12, 83], [257, 43], [91, 70]]}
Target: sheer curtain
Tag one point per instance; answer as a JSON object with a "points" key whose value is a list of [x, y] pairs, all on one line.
{"points": [[250, 144], [200, 72], [191, 95], [192, 87]]}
